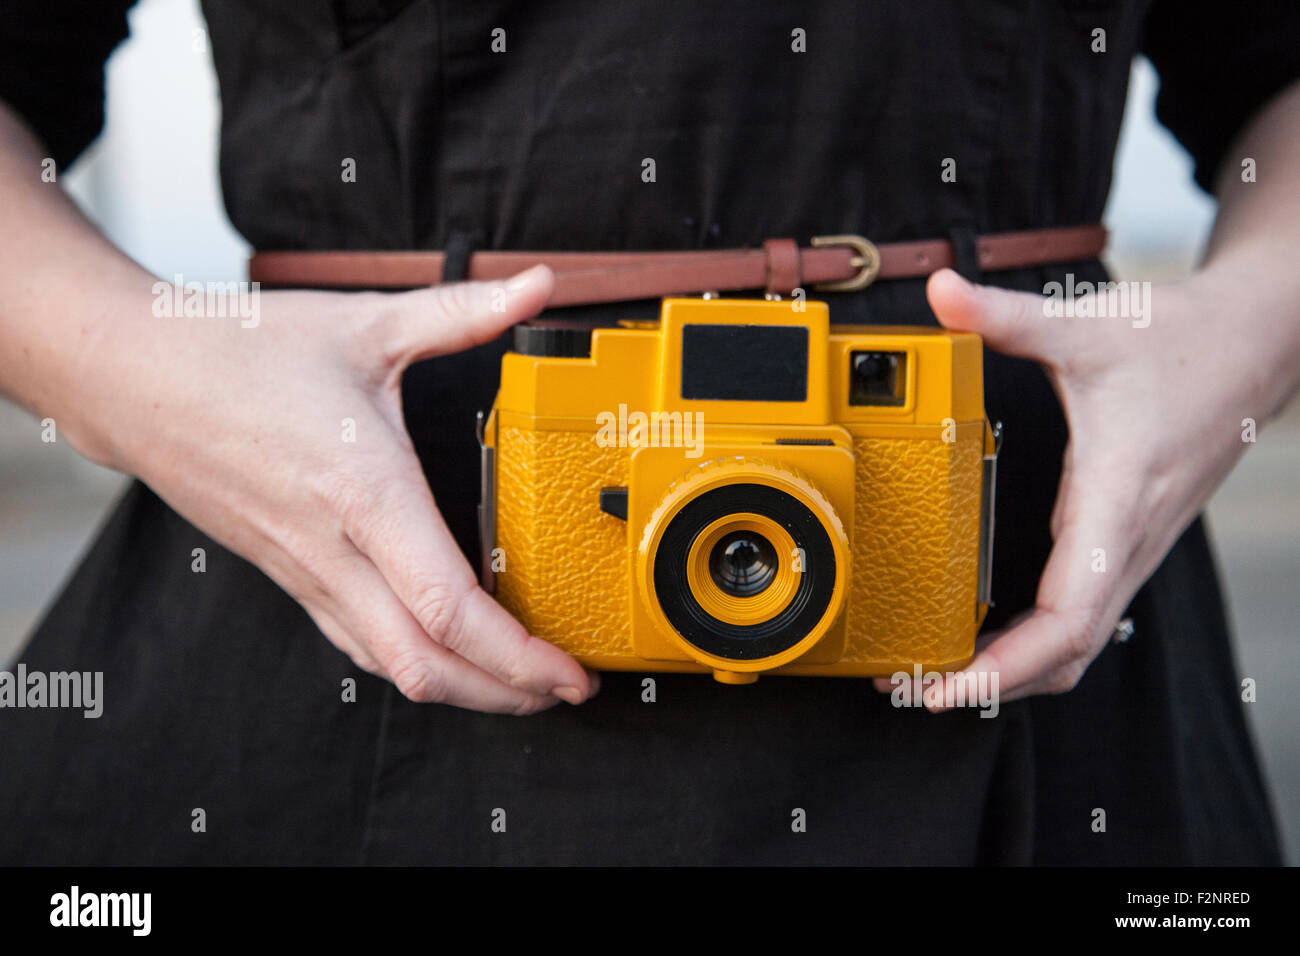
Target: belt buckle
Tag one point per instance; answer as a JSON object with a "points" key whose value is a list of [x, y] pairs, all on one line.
{"points": [[867, 262]]}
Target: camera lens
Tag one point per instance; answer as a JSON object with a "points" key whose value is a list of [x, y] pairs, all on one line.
{"points": [[743, 563], [725, 577]]}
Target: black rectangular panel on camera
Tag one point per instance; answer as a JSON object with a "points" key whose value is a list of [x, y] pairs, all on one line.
{"points": [[745, 363]]}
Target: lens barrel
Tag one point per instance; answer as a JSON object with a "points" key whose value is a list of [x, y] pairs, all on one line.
{"points": [[790, 592]]}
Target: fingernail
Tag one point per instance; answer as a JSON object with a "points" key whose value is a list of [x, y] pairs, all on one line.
{"points": [[521, 280], [570, 695]]}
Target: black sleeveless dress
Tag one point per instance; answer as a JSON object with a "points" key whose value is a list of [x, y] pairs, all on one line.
{"points": [[221, 694]]}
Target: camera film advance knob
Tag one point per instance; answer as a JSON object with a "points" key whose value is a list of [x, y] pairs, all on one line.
{"points": [[547, 338]]}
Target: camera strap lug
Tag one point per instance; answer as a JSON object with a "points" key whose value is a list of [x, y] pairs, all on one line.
{"points": [[988, 495]]}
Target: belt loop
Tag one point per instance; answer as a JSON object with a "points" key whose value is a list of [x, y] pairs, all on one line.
{"points": [[455, 263], [783, 266], [965, 251]]}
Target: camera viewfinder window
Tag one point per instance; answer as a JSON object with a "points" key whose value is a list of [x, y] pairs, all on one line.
{"points": [[877, 378], [745, 363]]}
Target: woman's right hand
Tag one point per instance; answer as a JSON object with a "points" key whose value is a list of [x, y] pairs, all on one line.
{"points": [[242, 430]]}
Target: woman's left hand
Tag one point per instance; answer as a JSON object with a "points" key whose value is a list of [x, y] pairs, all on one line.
{"points": [[1157, 407]]}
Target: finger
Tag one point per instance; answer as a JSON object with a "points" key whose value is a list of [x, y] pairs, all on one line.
{"points": [[313, 597], [1013, 323], [887, 684], [1065, 678], [442, 319], [1082, 583], [421, 669], [401, 531], [1061, 507], [339, 636]]}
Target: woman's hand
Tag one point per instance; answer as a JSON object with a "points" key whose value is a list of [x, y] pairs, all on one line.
{"points": [[245, 432], [1156, 414], [1155, 410]]}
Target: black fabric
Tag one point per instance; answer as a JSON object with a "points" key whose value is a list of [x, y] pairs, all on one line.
{"points": [[221, 693], [52, 55], [1218, 66]]}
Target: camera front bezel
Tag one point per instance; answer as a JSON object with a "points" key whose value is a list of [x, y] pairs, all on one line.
{"points": [[739, 487]]}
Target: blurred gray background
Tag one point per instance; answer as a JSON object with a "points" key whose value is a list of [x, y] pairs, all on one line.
{"points": [[151, 183]]}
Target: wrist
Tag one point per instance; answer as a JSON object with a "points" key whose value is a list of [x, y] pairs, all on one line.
{"points": [[1255, 301], [105, 365]]}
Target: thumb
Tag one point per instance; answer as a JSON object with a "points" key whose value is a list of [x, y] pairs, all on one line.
{"points": [[455, 316], [1013, 323]]}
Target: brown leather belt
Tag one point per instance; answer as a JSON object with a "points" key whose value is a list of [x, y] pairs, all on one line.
{"points": [[831, 264]]}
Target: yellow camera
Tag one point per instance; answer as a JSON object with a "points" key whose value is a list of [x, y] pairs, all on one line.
{"points": [[740, 487]]}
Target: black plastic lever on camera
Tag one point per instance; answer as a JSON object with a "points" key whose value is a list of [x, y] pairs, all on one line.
{"points": [[613, 501]]}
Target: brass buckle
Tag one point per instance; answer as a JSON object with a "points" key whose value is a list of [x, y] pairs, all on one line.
{"points": [[867, 262]]}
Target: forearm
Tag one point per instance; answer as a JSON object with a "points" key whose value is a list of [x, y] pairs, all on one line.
{"points": [[64, 290], [1252, 263]]}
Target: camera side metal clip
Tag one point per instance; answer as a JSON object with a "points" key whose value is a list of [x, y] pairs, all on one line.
{"points": [[988, 497], [487, 506]]}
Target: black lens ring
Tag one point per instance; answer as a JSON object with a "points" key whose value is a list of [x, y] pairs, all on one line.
{"points": [[748, 641]]}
